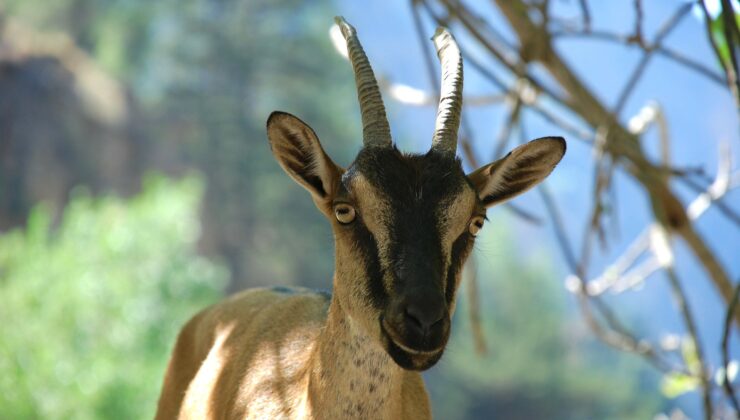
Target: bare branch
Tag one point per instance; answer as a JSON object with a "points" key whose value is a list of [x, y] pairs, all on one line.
{"points": [[621, 144], [638, 23], [586, 15], [721, 185], [512, 119], [721, 206], [485, 71], [557, 222], [666, 29], [726, 383], [691, 64], [688, 318], [730, 70], [617, 337], [469, 156], [662, 50], [732, 37], [479, 339], [412, 96], [505, 57], [424, 47]]}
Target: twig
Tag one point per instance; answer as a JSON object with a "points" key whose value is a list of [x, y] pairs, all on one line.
{"points": [[732, 36], [617, 336], [659, 49], [411, 96], [621, 340], [586, 15], [424, 47], [732, 81], [490, 76], [479, 339], [504, 57], [667, 27], [638, 23], [624, 146], [557, 222], [505, 133], [688, 317], [721, 206], [469, 156], [726, 384], [465, 142], [550, 117], [691, 64]]}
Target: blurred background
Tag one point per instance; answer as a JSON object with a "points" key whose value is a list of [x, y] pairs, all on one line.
{"points": [[137, 187]]}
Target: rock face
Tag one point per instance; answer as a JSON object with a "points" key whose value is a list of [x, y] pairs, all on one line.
{"points": [[63, 123]]}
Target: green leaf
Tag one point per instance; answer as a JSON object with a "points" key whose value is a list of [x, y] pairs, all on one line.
{"points": [[675, 384]]}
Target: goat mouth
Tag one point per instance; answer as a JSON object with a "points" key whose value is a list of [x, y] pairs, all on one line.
{"points": [[407, 357], [388, 331]]}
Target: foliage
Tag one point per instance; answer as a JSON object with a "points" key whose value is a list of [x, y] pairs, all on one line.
{"points": [[207, 74], [90, 308], [538, 364]]}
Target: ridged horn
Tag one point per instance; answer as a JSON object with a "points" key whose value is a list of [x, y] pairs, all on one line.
{"points": [[375, 129], [450, 98]]}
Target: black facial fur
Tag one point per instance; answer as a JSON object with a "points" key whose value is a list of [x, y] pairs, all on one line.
{"points": [[416, 187], [418, 190], [460, 250], [368, 247]]}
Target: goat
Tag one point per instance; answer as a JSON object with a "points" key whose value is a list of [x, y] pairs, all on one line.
{"points": [[403, 226]]}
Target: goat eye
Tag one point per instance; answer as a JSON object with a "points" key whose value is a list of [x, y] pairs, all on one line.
{"points": [[344, 213], [475, 225]]}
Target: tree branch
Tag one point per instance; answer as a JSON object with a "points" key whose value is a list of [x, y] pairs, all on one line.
{"points": [[623, 145], [726, 383]]}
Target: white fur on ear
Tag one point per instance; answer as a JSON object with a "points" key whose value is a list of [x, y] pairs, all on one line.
{"points": [[523, 168], [298, 151]]}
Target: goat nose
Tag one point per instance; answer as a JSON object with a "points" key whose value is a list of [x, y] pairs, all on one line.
{"points": [[423, 316]]}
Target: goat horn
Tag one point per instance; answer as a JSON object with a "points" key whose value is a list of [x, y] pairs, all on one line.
{"points": [[375, 129], [450, 98]]}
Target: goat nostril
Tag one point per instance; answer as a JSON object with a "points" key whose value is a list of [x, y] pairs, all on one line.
{"points": [[423, 319], [413, 318]]}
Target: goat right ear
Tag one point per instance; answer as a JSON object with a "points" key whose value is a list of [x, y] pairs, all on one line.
{"points": [[523, 168], [298, 150]]}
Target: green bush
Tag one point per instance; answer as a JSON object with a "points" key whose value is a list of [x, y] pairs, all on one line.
{"points": [[90, 308]]}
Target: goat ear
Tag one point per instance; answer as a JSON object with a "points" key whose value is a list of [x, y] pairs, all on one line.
{"points": [[523, 168], [298, 150]]}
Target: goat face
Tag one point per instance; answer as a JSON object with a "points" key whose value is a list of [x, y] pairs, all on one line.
{"points": [[404, 224], [403, 227]]}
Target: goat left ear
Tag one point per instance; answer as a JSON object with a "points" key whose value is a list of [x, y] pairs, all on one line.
{"points": [[523, 168], [298, 150]]}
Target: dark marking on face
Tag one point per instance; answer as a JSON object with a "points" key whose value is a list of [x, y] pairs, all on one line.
{"points": [[460, 251], [417, 188], [368, 248]]}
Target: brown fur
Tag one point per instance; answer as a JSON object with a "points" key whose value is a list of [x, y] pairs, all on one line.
{"points": [[265, 354]]}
